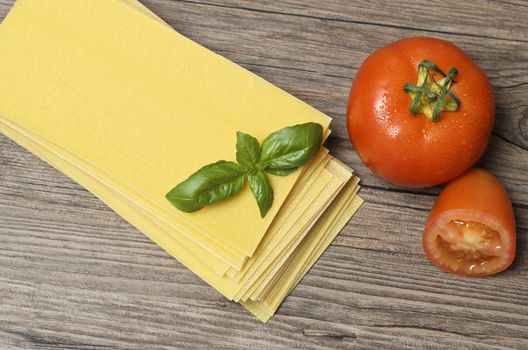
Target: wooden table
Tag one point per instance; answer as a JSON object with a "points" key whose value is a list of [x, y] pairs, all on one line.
{"points": [[75, 275]]}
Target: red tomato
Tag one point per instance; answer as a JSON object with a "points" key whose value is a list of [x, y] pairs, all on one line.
{"points": [[471, 229], [407, 148]]}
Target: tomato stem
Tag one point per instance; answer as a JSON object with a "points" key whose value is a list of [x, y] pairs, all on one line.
{"points": [[429, 96]]}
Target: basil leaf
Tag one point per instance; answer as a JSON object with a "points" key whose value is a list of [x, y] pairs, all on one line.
{"points": [[210, 184], [248, 150], [279, 172], [290, 147], [262, 191]]}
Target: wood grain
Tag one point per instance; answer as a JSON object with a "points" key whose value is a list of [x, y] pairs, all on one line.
{"points": [[74, 275]]}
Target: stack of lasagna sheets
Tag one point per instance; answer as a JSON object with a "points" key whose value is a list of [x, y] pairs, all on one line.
{"points": [[114, 98]]}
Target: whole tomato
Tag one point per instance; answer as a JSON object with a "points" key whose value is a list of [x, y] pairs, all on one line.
{"points": [[420, 112]]}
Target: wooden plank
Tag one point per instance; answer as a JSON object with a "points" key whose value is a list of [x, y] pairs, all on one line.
{"points": [[504, 20], [73, 274]]}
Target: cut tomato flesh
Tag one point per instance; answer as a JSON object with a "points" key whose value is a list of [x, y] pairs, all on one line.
{"points": [[471, 228], [469, 247]]}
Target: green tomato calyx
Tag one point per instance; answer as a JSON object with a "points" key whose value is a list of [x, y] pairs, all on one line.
{"points": [[429, 96]]}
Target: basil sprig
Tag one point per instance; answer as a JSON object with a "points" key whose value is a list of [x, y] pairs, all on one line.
{"points": [[280, 154]]}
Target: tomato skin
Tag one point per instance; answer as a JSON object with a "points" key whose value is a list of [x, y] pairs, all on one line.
{"points": [[410, 150], [476, 195]]}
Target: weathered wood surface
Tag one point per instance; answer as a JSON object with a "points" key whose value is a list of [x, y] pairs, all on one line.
{"points": [[73, 274]]}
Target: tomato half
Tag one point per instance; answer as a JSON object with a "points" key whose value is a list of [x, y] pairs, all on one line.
{"points": [[471, 229], [420, 148]]}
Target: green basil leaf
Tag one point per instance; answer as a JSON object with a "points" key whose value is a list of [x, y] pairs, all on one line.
{"points": [[247, 150], [291, 147], [210, 184], [262, 191], [280, 172]]}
